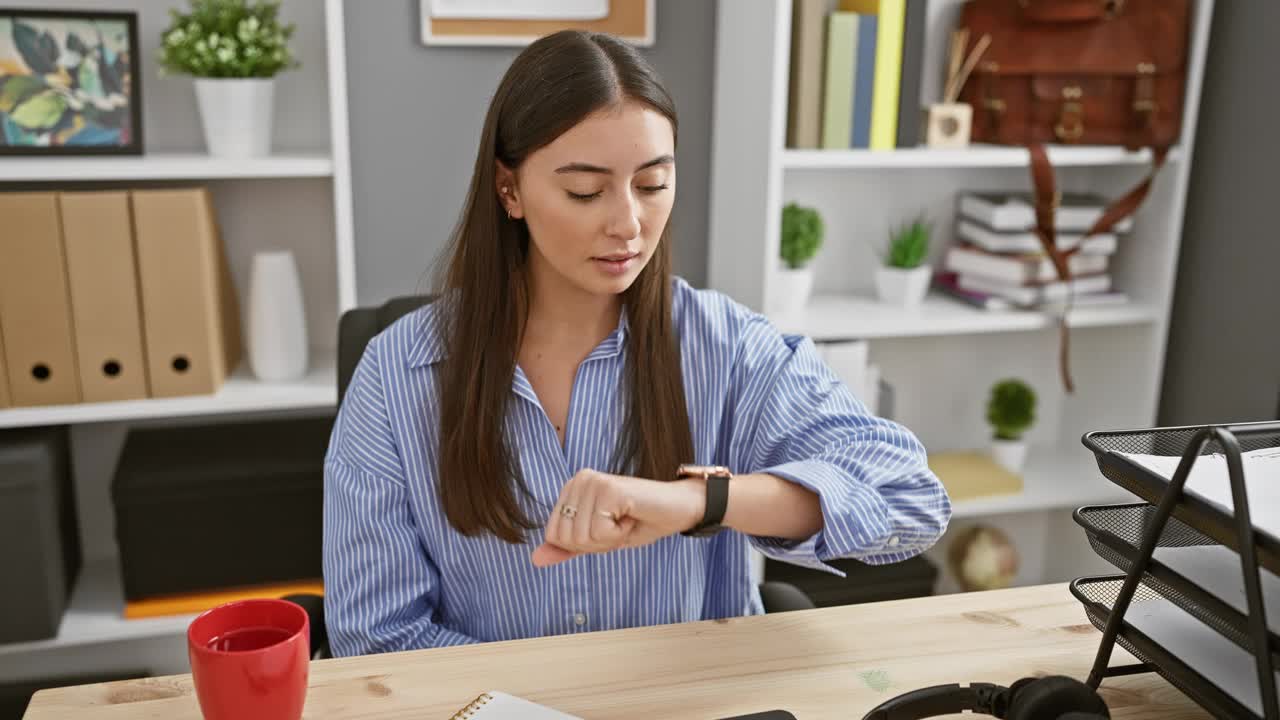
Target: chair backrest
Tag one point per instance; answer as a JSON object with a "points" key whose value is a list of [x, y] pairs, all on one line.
{"points": [[358, 326]]}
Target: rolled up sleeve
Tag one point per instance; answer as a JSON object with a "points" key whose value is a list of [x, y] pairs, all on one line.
{"points": [[381, 587], [796, 420]]}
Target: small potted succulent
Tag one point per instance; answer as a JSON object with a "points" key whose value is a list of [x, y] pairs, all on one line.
{"points": [[802, 232], [903, 277], [1011, 410], [233, 49]]}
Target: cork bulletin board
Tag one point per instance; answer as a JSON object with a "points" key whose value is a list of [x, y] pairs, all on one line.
{"points": [[632, 20]]}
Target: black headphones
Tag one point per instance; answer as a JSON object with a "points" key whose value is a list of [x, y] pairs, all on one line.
{"points": [[1055, 697]]}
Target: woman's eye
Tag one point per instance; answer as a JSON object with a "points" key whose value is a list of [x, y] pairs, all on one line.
{"points": [[651, 189], [584, 198]]}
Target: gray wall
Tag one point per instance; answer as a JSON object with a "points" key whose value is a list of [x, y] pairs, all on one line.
{"points": [[416, 113], [1223, 360]]}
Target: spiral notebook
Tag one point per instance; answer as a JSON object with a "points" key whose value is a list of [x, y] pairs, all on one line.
{"points": [[495, 705]]}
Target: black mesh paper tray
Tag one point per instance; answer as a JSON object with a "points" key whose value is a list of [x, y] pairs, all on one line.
{"points": [[1191, 510], [1097, 595], [1116, 531]]}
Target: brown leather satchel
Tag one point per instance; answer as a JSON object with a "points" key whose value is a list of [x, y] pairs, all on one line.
{"points": [[1090, 72]]}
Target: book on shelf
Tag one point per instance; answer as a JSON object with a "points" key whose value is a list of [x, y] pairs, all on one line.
{"points": [[948, 284], [837, 94], [1016, 212], [864, 77], [1017, 268], [1027, 241], [804, 117], [1034, 294], [910, 113]]}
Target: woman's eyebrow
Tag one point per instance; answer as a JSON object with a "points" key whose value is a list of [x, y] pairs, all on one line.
{"points": [[589, 168]]}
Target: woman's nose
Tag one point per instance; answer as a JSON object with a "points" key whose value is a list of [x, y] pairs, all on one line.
{"points": [[624, 222]]}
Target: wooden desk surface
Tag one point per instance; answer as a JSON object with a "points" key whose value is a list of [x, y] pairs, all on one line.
{"points": [[834, 663]]}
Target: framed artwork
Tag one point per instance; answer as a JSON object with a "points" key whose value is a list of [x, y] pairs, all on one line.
{"points": [[69, 83], [520, 22]]}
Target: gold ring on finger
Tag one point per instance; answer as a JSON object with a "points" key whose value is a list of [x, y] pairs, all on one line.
{"points": [[568, 511]]}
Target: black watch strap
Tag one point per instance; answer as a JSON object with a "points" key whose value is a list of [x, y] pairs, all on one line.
{"points": [[717, 504]]}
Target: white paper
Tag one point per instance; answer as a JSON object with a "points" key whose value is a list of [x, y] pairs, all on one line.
{"points": [[1210, 481], [520, 9], [1216, 570], [501, 706], [1219, 660]]}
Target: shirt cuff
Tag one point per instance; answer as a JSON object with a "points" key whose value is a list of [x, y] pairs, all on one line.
{"points": [[857, 522]]}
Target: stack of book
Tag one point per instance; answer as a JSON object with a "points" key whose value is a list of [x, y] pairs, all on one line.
{"points": [[855, 74], [998, 261]]}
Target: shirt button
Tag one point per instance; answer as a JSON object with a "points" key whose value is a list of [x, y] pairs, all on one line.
{"points": [[579, 619], [893, 541]]}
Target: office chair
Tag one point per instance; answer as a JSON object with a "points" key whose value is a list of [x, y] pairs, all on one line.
{"points": [[356, 328]]}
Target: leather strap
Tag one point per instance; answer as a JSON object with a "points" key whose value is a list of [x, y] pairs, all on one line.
{"points": [[1047, 200], [717, 504]]}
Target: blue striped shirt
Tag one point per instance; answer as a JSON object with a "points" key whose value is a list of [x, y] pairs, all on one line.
{"points": [[398, 576]]}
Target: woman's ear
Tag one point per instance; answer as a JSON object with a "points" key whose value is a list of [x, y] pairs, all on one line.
{"points": [[508, 194]]}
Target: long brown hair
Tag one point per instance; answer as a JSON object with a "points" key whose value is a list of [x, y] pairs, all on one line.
{"points": [[551, 86]]}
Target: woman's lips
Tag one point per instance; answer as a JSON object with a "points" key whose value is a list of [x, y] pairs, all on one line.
{"points": [[616, 264]]}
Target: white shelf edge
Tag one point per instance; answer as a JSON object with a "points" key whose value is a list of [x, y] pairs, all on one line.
{"points": [[95, 614], [976, 156], [851, 317], [164, 166], [241, 393], [1053, 480]]}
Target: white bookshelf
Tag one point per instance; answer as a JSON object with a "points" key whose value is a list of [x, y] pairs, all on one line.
{"points": [[942, 358], [165, 166], [297, 198], [833, 318], [240, 394], [976, 156]]}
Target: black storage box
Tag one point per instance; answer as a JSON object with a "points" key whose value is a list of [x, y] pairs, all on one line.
{"points": [[39, 538], [910, 578], [210, 507]]}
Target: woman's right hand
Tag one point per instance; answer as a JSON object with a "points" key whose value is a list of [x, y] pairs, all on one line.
{"points": [[607, 512]]}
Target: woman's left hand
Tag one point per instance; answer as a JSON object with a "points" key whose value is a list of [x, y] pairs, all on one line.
{"points": [[598, 512]]}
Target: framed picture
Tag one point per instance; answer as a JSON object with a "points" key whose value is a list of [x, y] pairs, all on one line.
{"points": [[520, 22], [69, 83]]}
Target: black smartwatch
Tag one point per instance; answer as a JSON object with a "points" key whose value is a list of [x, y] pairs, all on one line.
{"points": [[717, 482]]}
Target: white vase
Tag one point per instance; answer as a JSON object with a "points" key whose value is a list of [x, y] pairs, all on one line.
{"points": [[906, 288], [277, 336], [791, 289], [1009, 454], [236, 114]]}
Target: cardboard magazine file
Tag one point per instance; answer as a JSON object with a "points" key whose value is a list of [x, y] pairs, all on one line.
{"points": [[35, 309], [190, 317], [101, 269]]}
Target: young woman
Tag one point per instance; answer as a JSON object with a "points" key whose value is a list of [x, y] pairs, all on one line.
{"points": [[507, 460]]}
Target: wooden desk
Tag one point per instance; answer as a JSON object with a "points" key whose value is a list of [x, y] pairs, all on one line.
{"points": [[834, 663]]}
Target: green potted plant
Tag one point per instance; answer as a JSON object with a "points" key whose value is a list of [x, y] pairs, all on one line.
{"points": [[1011, 410], [903, 276], [802, 233], [233, 49]]}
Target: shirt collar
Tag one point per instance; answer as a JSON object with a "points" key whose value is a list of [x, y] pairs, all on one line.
{"points": [[428, 345]]}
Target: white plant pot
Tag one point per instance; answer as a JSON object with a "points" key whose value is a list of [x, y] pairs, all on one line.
{"points": [[277, 320], [791, 289], [905, 288], [236, 114], [1009, 454]]}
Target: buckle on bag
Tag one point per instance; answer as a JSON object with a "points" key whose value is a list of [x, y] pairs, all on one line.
{"points": [[1070, 125]]}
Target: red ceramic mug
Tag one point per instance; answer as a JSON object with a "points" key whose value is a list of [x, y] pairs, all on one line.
{"points": [[249, 660]]}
